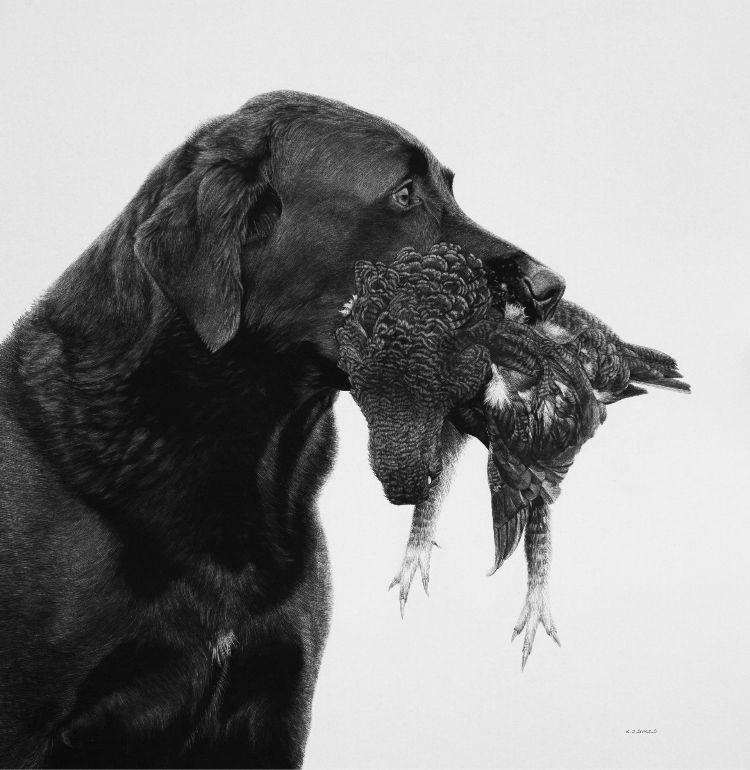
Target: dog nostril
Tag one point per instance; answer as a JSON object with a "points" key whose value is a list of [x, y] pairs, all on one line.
{"points": [[545, 289], [545, 286]]}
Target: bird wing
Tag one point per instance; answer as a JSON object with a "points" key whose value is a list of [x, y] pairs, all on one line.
{"points": [[516, 351], [619, 363], [510, 508]]}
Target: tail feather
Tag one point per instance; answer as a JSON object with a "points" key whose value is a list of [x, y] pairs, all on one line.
{"points": [[629, 392], [652, 367], [507, 537], [654, 359], [666, 382]]}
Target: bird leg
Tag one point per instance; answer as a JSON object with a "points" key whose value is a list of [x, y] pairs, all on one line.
{"points": [[424, 519], [536, 609]]}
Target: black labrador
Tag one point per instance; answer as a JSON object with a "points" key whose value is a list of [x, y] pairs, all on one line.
{"points": [[165, 418]]}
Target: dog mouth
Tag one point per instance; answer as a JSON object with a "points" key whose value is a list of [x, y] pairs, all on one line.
{"points": [[534, 287], [522, 309], [522, 305]]}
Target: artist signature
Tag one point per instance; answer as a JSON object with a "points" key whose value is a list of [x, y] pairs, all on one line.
{"points": [[633, 732]]}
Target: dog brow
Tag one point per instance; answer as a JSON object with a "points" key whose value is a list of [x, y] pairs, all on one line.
{"points": [[418, 163]]}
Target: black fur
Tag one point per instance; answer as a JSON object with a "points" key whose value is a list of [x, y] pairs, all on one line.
{"points": [[165, 426]]}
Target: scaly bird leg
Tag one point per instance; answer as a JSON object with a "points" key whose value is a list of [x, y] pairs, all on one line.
{"points": [[536, 610], [424, 519]]}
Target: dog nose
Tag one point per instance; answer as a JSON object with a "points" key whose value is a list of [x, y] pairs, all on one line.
{"points": [[545, 288]]}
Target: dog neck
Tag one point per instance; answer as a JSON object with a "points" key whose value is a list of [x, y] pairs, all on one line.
{"points": [[184, 450]]}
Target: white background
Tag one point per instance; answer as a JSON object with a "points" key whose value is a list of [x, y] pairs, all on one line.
{"points": [[610, 140]]}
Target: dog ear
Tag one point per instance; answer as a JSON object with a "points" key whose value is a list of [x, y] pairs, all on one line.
{"points": [[191, 247]]}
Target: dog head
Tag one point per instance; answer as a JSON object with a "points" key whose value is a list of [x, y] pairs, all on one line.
{"points": [[258, 219]]}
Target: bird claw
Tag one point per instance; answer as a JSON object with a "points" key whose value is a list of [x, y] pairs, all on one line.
{"points": [[535, 611], [416, 557]]}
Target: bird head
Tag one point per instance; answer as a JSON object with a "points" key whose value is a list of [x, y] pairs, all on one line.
{"points": [[401, 345]]}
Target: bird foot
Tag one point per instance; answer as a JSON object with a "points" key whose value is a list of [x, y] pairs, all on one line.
{"points": [[417, 557], [536, 610]]}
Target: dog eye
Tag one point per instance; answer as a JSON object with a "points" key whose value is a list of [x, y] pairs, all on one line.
{"points": [[403, 196]]}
